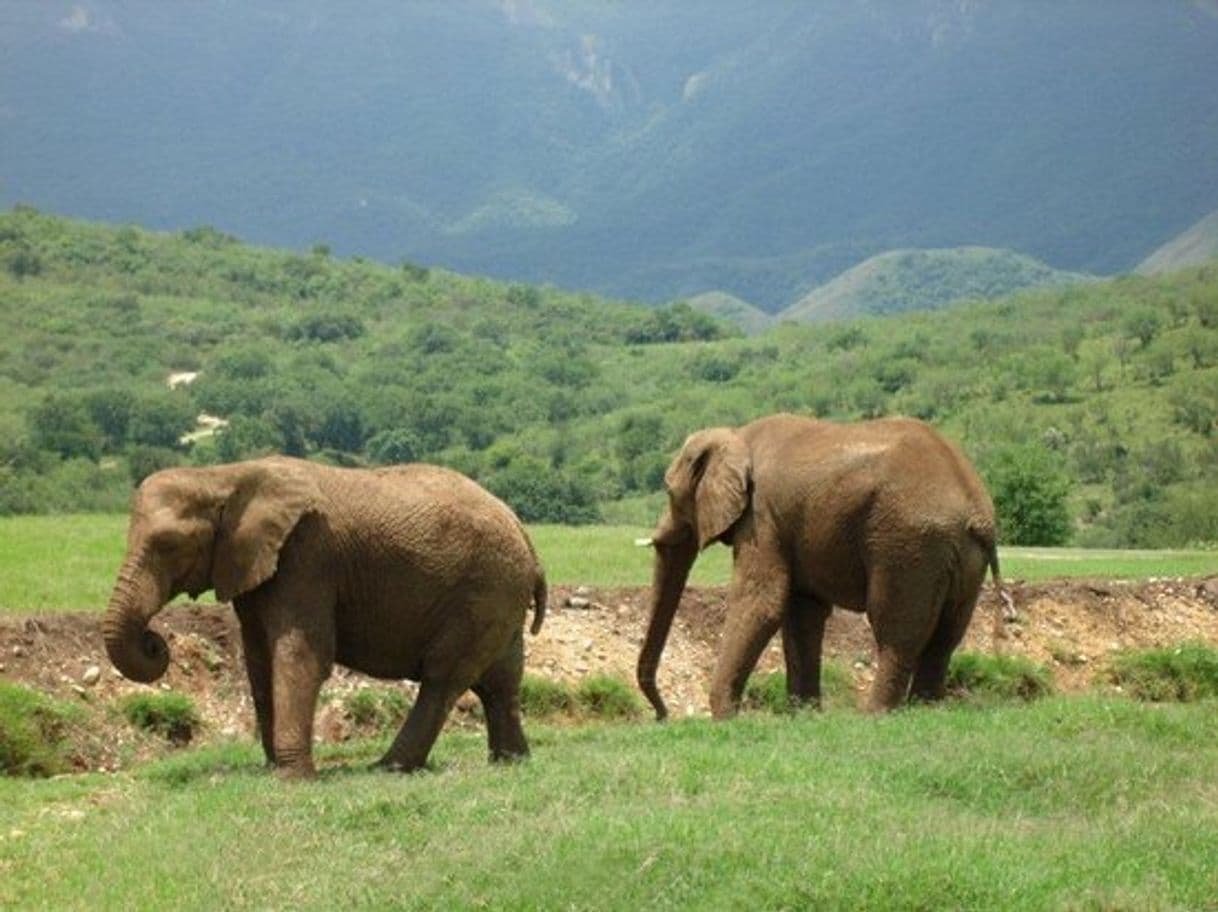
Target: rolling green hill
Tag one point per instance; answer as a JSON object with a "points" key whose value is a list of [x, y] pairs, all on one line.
{"points": [[1189, 248], [565, 404], [904, 280]]}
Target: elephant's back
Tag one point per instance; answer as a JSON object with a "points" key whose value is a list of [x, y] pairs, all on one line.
{"points": [[433, 520], [896, 470]]}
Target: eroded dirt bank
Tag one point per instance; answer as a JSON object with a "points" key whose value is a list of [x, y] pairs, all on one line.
{"points": [[1071, 626]]}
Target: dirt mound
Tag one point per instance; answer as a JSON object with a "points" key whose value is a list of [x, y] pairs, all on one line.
{"points": [[1071, 626]]}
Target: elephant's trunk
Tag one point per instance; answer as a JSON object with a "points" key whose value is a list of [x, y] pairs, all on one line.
{"points": [[139, 653], [672, 564]]}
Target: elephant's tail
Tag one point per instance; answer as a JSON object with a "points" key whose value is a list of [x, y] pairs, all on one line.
{"points": [[989, 541], [539, 601], [987, 537], [1008, 603]]}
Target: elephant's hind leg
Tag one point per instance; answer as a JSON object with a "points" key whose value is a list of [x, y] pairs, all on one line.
{"points": [[803, 633], [930, 679], [904, 609], [422, 726], [499, 691]]}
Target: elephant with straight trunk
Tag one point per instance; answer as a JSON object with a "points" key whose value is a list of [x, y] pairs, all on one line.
{"points": [[403, 572], [884, 517]]}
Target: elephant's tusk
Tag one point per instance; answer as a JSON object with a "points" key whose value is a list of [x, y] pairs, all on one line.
{"points": [[644, 542]]}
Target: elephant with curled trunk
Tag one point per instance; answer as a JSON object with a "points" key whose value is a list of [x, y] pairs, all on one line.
{"points": [[884, 517], [403, 572]]}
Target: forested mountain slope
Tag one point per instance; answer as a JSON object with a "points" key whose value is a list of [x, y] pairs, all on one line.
{"points": [[566, 404], [653, 150]]}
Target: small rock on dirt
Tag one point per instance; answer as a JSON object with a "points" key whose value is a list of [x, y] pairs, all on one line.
{"points": [[91, 676]]}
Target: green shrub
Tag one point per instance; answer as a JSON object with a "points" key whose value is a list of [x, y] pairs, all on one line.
{"points": [[608, 697], [33, 728], [1000, 677], [768, 692], [170, 715], [377, 708], [541, 697], [1182, 673], [1031, 490]]}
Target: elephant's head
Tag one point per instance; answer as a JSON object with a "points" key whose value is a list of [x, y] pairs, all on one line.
{"points": [[197, 529], [708, 486]]}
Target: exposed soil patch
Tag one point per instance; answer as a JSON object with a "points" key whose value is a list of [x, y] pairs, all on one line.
{"points": [[1071, 626]]}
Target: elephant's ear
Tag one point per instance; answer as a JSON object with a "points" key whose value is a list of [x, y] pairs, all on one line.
{"points": [[270, 497], [721, 467]]}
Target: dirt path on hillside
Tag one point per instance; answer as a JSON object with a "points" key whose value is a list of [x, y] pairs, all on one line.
{"points": [[1071, 626]]}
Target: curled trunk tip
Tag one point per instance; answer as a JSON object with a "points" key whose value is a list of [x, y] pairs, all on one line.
{"points": [[138, 653]]}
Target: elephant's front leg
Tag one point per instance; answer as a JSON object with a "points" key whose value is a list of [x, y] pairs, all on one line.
{"points": [[803, 634], [756, 604], [258, 668], [302, 655]]}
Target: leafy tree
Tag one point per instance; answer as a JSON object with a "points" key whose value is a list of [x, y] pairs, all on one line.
{"points": [[61, 424], [1093, 362], [145, 460], [22, 263], [846, 339], [395, 445], [245, 362], [1030, 489], [110, 410], [341, 426], [434, 339], [1072, 337], [415, 272], [247, 438], [525, 296], [677, 322], [715, 367], [542, 493], [639, 445], [326, 327], [1199, 345], [1142, 324], [160, 420]]}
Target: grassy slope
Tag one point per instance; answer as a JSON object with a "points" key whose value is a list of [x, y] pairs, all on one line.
{"points": [[526, 383], [67, 563], [1068, 803], [1191, 247]]}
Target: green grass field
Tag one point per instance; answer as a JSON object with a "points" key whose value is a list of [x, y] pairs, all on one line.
{"points": [[67, 563], [1079, 803]]}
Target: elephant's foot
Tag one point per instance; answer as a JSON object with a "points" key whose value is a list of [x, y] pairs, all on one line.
{"points": [[516, 755], [296, 772], [723, 708], [391, 764]]}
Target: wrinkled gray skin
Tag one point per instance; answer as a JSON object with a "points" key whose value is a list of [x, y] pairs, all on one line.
{"points": [[405, 572], [884, 517]]}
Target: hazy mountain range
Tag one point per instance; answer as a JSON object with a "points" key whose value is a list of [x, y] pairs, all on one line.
{"points": [[655, 150]]}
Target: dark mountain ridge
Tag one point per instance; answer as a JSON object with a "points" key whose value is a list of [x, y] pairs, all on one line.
{"points": [[649, 151]]}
